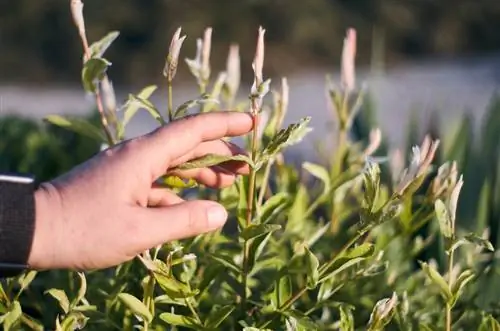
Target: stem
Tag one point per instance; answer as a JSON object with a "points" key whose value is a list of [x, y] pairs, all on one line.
{"points": [[193, 311], [100, 107], [148, 299], [448, 306], [264, 186], [450, 270], [250, 200], [321, 270], [104, 120], [170, 102], [339, 155]]}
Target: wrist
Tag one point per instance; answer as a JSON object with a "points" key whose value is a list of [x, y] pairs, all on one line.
{"points": [[47, 209], [17, 213]]}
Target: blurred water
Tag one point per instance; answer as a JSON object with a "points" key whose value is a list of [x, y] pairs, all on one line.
{"points": [[452, 87]]}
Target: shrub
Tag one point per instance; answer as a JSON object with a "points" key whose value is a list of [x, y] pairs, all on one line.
{"points": [[334, 246]]}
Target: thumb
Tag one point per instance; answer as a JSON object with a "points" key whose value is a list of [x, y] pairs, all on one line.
{"points": [[179, 221]]}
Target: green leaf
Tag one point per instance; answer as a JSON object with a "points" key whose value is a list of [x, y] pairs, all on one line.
{"points": [[273, 207], [136, 306], [61, 297], [254, 231], [26, 279], [182, 109], [444, 219], [226, 261], [347, 260], [180, 320], [489, 323], [173, 287], [282, 290], [302, 321], [312, 265], [346, 318], [371, 180], [292, 135], [93, 71], [210, 160], [465, 277], [257, 247], [176, 182], [438, 280], [78, 125], [319, 172], [82, 290], [13, 317], [297, 211], [98, 48], [479, 242], [131, 108], [218, 316], [382, 313], [147, 105]]}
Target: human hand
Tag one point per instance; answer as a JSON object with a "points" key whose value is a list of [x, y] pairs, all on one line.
{"points": [[106, 211]]}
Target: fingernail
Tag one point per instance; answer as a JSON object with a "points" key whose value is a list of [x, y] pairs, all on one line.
{"points": [[217, 216]]}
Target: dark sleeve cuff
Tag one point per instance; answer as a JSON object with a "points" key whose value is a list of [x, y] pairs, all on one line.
{"points": [[17, 223]]}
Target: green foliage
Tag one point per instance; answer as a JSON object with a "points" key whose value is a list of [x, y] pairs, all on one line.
{"points": [[338, 245]]}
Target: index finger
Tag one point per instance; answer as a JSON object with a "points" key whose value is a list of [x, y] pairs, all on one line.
{"points": [[181, 136]]}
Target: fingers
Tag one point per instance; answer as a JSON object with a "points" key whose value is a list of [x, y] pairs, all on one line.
{"points": [[181, 137], [183, 220], [214, 177], [161, 197], [218, 147]]}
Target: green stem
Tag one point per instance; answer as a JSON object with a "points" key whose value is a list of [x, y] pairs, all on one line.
{"points": [[327, 265], [448, 306], [321, 270], [170, 102], [104, 120], [193, 311], [250, 201], [149, 300], [267, 173], [450, 270]]}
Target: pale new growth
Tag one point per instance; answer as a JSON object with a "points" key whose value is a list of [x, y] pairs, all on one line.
{"points": [[258, 62], [375, 140], [205, 53], [77, 13], [175, 45], [173, 54], [108, 94], [454, 198], [285, 95], [421, 159], [348, 78], [233, 69]]}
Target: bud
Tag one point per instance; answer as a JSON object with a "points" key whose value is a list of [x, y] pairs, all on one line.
{"points": [[285, 96], [108, 94], [382, 312], [233, 69], [375, 140], [173, 55], [454, 199], [205, 54], [421, 160], [77, 13], [258, 62], [348, 58]]}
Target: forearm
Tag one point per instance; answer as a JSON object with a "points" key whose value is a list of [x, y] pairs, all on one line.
{"points": [[17, 223]]}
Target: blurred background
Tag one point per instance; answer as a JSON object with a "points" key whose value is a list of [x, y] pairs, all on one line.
{"points": [[424, 61], [414, 55]]}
